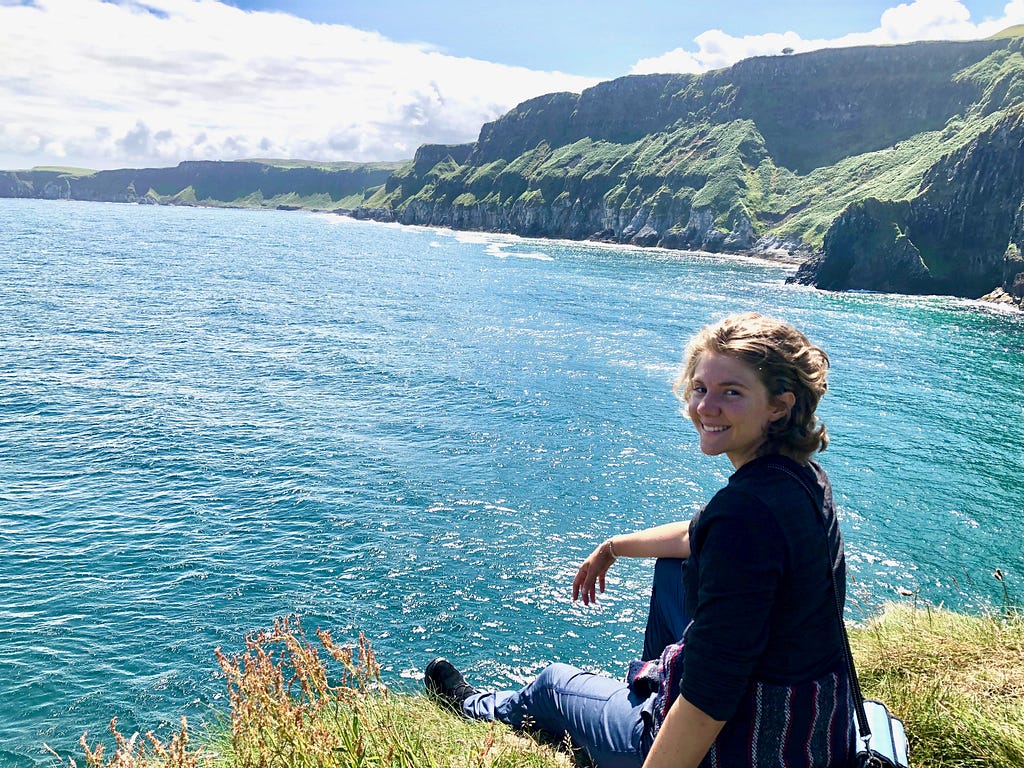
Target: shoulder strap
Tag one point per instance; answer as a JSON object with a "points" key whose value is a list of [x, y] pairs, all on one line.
{"points": [[858, 697]]}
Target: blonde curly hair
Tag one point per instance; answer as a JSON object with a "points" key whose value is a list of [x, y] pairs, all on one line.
{"points": [[785, 361]]}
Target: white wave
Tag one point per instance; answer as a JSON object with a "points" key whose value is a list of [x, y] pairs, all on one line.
{"points": [[498, 251], [475, 238], [988, 306]]}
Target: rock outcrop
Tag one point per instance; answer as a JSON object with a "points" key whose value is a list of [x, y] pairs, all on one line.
{"points": [[961, 234], [866, 247]]}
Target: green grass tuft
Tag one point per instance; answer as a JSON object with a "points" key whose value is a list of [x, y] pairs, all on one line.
{"points": [[956, 681]]}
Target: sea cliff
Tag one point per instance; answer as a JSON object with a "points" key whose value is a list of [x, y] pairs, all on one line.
{"points": [[820, 156], [255, 183], [890, 168]]}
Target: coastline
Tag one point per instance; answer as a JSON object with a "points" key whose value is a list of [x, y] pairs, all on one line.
{"points": [[997, 300], [779, 258]]}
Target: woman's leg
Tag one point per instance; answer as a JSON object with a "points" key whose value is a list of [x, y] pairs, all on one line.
{"points": [[667, 617], [599, 714]]}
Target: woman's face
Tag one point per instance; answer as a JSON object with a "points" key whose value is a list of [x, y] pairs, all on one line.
{"points": [[731, 408]]}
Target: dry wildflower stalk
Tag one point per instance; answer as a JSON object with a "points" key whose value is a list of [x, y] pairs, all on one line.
{"points": [[131, 752], [284, 712]]}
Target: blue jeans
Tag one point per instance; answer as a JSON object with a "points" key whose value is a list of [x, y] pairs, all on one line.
{"points": [[601, 715]]}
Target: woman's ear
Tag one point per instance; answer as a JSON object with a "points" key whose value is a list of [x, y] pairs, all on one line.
{"points": [[782, 405]]}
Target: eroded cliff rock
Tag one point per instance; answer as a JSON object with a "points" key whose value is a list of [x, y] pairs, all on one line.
{"points": [[764, 156], [961, 234]]}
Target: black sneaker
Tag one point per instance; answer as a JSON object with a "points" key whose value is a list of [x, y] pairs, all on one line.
{"points": [[446, 683]]}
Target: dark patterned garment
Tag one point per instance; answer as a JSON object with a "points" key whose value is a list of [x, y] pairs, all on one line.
{"points": [[763, 650]]}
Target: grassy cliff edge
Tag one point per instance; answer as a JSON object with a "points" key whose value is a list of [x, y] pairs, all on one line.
{"points": [[957, 682]]}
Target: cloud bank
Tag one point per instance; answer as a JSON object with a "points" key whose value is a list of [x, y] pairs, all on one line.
{"points": [[909, 22], [102, 84], [131, 83]]}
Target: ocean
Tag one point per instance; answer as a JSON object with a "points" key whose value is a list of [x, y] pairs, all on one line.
{"points": [[214, 418]]}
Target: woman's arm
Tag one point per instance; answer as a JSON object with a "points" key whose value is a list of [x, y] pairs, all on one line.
{"points": [[684, 738], [669, 540]]}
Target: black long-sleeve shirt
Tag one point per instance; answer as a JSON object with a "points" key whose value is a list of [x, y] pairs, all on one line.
{"points": [[759, 586]]}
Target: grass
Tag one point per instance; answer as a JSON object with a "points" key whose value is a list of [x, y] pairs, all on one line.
{"points": [[786, 143], [956, 681], [342, 165], [66, 170], [1014, 31], [301, 704]]}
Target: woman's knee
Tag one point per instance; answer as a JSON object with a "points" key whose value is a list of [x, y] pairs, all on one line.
{"points": [[670, 568], [555, 676]]}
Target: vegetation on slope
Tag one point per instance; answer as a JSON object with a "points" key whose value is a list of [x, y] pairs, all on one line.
{"points": [[772, 153], [243, 183], [786, 141], [955, 680], [766, 154]]}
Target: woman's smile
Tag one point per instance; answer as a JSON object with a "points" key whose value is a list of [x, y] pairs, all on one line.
{"points": [[730, 407]]}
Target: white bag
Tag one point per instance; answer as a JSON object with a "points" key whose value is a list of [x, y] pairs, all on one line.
{"points": [[887, 745]]}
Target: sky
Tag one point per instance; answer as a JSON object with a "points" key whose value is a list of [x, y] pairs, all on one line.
{"points": [[149, 83]]}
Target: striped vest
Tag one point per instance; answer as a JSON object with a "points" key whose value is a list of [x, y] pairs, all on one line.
{"points": [[806, 725]]}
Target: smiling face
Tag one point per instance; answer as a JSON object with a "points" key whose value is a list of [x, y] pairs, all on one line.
{"points": [[731, 407]]}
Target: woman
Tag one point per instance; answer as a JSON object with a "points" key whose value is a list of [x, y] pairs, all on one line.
{"points": [[743, 655]]}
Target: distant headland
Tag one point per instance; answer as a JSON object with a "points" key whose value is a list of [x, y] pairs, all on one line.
{"points": [[889, 168]]}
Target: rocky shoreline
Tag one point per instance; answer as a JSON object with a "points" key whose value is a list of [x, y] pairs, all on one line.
{"points": [[891, 168]]}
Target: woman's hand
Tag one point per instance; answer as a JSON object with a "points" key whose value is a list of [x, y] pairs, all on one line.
{"points": [[669, 540], [590, 576]]}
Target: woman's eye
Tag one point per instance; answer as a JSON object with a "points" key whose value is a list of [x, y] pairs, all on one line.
{"points": [[700, 390]]}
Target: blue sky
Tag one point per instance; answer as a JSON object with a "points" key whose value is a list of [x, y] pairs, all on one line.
{"points": [[597, 38], [149, 83]]}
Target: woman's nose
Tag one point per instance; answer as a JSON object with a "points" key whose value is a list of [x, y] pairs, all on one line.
{"points": [[707, 404]]}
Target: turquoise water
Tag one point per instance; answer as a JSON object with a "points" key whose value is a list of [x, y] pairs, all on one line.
{"points": [[212, 418]]}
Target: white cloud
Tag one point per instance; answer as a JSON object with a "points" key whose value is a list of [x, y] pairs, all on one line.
{"points": [[113, 84], [918, 20]]}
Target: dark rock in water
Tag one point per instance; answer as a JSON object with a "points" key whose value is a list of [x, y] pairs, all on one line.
{"points": [[606, 235], [675, 239], [647, 236]]}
